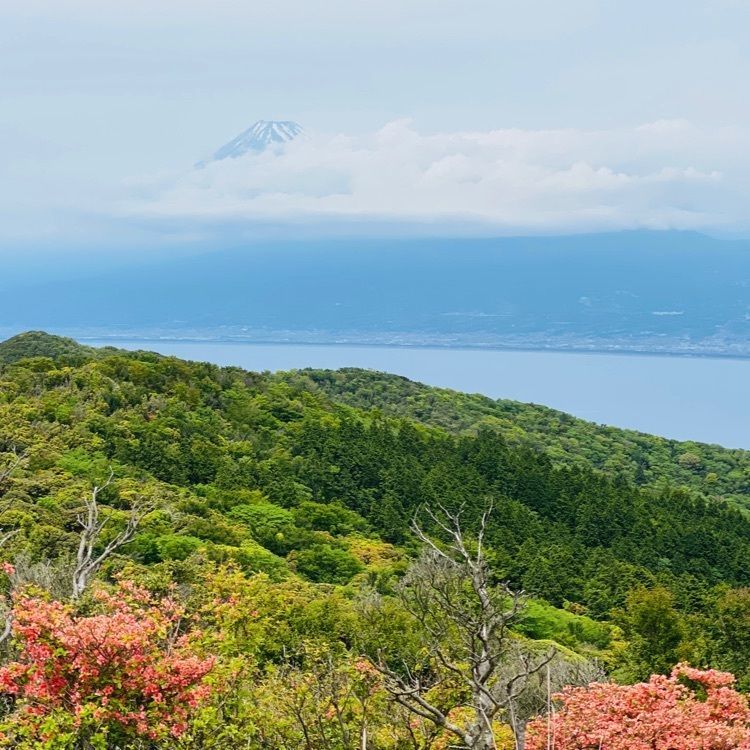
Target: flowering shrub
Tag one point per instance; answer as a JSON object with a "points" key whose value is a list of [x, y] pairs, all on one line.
{"points": [[105, 677], [689, 710]]}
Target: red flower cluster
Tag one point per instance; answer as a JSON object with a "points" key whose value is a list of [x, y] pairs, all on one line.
{"points": [[126, 667], [691, 709]]}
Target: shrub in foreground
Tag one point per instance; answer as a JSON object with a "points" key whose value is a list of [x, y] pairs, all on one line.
{"points": [[107, 679], [690, 709]]}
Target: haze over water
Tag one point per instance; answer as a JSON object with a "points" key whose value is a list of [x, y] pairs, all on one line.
{"points": [[685, 398]]}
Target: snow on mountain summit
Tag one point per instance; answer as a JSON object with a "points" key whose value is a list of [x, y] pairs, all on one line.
{"points": [[259, 137]]}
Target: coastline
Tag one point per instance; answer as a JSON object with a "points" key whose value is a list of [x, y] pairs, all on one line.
{"points": [[612, 350]]}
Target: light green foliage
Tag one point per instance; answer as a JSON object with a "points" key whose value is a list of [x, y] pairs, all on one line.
{"points": [[280, 503], [266, 522], [332, 517], [542, 621], [177, 546]]}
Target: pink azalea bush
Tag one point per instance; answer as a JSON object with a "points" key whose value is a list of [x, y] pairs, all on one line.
{"points": [[691, 709], [124, 672]]}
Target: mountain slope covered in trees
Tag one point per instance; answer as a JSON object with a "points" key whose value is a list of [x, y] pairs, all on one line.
{"points": [[714, 471], [281, 512]]}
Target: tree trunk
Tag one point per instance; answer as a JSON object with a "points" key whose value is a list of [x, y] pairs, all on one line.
{"points": [[481, 736], [519, 732], [485, 741]]}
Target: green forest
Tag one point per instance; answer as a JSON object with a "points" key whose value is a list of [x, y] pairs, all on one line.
{"points": [[315, 559]]}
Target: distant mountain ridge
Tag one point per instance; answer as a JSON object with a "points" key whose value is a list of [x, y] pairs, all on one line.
{"points": [[258, 137], [670, 292]]}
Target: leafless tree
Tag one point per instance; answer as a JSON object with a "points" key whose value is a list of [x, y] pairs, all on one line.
{"points": [[16, 459], [87, 562], [7, 612], [465, 618], [48, 575]]}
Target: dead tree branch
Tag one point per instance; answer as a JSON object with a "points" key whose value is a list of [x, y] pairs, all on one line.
{"points": [[87, 562], [8, 625], [465, 618]]}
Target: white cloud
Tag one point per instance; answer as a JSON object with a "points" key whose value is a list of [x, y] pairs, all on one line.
{"points": [[665, 174]]}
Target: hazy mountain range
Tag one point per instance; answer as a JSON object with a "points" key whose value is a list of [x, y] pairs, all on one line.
{"points": [[638, 291]]}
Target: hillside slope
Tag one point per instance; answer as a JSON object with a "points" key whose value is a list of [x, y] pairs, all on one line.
{"points": [[270, 474], [644, 459], [714, 471]]}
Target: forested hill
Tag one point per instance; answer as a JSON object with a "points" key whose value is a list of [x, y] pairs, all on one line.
{"points": [[273, 474], [41, 344], [717, 472]]}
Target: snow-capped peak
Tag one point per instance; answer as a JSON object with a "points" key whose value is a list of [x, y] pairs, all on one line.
{"points": [[259, 137]]}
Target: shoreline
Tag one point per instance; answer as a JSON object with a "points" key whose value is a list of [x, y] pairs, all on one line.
{"points": [[433, 346]]}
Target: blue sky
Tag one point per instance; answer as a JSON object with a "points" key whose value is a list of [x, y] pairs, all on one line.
{"points": [[604, 114]]}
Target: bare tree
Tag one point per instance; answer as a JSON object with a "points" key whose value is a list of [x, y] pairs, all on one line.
{"points": [[4, 607], [465, 618], [87, 562], [16, 459]]}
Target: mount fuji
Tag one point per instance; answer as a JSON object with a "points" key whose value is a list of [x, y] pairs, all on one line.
{"points": [[258, 137]]}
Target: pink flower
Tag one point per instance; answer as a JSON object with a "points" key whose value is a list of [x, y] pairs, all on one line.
{"points": [[121, 666], [661, 714]]}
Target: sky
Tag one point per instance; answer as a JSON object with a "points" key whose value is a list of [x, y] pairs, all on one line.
{"points": [[446, 115]]}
